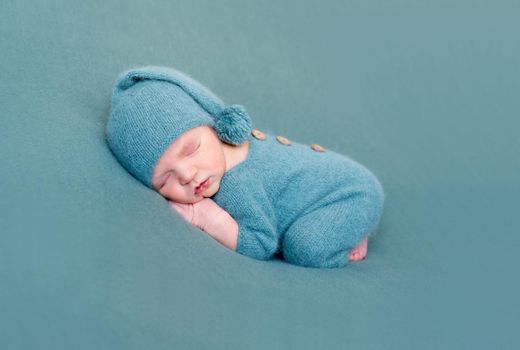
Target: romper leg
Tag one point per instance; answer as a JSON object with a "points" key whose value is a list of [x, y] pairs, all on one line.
{"points": [[324, 236]]}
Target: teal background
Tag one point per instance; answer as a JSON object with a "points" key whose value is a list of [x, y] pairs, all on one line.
{"points": [[425, 94]]}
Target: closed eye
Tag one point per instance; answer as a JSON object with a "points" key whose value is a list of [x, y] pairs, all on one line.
{"points": [[165, 181], [196, 149]]}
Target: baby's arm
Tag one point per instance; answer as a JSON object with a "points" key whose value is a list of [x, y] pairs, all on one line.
{"points": [[211, 218]]}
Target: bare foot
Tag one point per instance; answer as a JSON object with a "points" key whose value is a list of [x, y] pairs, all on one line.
{"points": [[360, 251]]}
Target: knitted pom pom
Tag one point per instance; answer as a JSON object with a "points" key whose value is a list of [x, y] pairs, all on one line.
{"points": [[233, 124]]}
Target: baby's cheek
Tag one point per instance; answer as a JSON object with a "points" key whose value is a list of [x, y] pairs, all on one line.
{"points": [[173, 194], [214, 188]]}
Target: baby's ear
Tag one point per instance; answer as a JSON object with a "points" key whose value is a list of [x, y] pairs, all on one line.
{"points": [[233, 124]]}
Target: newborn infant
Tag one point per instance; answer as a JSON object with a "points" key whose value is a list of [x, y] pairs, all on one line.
{"points": [[255, 193]]}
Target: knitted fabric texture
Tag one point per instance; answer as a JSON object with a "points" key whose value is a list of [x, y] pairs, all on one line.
{"points": [[152, 106], [314, 207]]}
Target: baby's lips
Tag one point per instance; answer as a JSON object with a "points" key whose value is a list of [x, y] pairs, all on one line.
{"points": [[206, 183]]}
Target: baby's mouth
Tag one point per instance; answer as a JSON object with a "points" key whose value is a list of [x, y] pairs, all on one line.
{"points": [[200, 188]]}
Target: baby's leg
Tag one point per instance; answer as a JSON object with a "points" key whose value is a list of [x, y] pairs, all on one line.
{"points": [[360, 251], [327, 237], [337, 229]]}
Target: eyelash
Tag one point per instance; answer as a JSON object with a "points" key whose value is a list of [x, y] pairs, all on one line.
{"points": [[166, 181], [196, 149]]}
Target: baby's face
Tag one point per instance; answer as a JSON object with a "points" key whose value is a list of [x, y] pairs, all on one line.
{"points": [[191, 167]]}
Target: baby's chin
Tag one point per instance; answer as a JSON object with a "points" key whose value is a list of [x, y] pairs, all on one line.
{"points": [[197, 199], [211, 190], [204, 196]]}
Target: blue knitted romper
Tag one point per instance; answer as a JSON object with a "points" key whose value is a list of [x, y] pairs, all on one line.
{"points": [[311, 206]]}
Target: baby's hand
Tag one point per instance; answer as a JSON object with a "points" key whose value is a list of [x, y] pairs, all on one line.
{"points": [[198, 214], [211, 218], [184, 210]]}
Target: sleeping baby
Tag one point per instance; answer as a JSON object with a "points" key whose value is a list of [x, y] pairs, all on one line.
{"points": [[258, 194]]}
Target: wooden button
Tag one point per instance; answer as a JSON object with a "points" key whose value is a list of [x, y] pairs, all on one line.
{"points": [[317, 147], [258, 134], [283, 140]]}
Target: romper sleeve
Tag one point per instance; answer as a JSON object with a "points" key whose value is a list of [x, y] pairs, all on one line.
{"points": [[254, 214]]}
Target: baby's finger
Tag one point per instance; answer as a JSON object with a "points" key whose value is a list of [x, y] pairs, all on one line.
{"points": [[183, 210]]}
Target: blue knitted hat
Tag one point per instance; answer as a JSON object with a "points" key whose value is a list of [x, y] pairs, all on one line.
{"points": [[152, 106]]}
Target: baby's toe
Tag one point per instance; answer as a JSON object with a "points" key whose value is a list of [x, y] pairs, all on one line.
{"points": [[354, 256]]}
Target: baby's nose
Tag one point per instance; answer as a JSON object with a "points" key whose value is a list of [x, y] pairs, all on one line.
{"points": [[187, 175]]}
